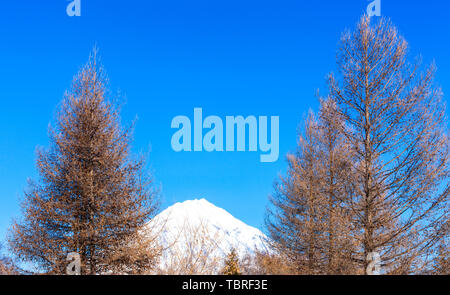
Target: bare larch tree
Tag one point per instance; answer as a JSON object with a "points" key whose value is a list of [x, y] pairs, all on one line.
{"points": [[307, 221], [93, 197], [294, 221], [395, 125], [371, 173]]}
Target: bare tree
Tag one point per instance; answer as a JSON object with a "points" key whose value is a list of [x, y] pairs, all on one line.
{"points": [[441, 257], [266, 263], [395, 125], [93, 197], [294, 222], [337, 188], [194, 250], [7, 266], [371, 173], [309, 221]]}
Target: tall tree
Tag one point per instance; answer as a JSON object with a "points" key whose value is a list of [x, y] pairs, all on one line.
{"points": [[294, 221], [395, 125], [442, 259], [371, 174], [93, 197], [192, 250], [308, 222], [231, 266], [336, 175]]}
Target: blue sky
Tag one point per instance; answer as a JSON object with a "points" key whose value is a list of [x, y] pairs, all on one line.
{"points": [[261, 58]]}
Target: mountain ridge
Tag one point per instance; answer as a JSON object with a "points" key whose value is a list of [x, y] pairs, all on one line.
{"points": [[198, 230]]}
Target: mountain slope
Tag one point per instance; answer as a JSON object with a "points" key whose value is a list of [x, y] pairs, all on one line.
{"points": [[197, 235]]}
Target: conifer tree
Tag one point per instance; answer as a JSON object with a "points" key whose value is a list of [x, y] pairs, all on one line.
{"points": [[93, 197], [7, 266], [441, 263], [308, 221], [294, 222], [232, 264], [371, 174], [395, 125]]}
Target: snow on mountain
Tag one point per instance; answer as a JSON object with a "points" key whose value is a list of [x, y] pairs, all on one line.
{"points": [[197, 230]]}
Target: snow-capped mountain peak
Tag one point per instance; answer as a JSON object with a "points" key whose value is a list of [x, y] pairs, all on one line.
{"points": [[197, 227]]}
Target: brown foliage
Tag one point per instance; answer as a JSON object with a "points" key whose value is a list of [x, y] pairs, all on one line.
{"points": [[378, 154], [265, 263], [309, 223], [93, 197], [232, 265], [193, 251], [395, 125]]}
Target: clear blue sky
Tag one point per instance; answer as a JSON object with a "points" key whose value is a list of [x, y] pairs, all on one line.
{"points": [[233, 57]]}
